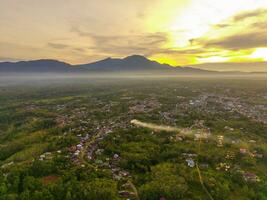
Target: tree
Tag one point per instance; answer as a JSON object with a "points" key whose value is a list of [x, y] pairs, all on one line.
{"points": [[165, 182]]}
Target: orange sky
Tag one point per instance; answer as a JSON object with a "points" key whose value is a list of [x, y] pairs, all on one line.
{"points": [[183, 32]]}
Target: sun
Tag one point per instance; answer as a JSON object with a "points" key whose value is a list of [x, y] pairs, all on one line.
{"points": [[260, 53]]}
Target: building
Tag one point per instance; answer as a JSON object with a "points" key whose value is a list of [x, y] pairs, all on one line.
{"points": [[190, 162], [250, 177]]}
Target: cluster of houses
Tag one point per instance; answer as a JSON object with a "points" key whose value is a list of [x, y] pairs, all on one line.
{"points": [[77, 149], [118, 174], [31, 107], [255, 112], [232, 104], [253, 154], [144, 106]]}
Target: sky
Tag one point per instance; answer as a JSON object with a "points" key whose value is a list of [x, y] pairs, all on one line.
{"points": [[176, 32]]}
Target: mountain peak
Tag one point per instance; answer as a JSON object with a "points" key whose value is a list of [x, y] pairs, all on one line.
{"points": [[130, 63], [135, 57]]}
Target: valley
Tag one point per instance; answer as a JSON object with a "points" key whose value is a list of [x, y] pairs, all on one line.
{"points": [[120, 138]]}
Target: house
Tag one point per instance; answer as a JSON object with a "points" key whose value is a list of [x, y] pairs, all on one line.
{"points": [[178, 138], [79, 146], [220, 140], [77, 152], [223, 166], [189, 155], [190, 162], [251, 177], [42, 157], [243, 151], [124, 173], [256, 154], [201, 136], [126, 194], [99, 151], [204, 166]]}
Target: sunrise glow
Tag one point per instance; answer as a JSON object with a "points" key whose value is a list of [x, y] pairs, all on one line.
{"points": [[179, 33]]}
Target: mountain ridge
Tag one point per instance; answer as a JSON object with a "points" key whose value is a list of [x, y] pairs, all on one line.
{"points": [[129, 63], [133, 63]]}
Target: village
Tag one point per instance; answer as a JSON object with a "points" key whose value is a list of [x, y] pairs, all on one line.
{"points": [[128, 137], [90, 134]]}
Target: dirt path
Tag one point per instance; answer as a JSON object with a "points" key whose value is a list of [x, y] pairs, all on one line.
{"points": [[155, 127]]}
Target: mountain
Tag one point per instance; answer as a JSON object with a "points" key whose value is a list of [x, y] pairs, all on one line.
{"points": [[233, 67], [36, 66], [135, 63], [130, 63]]}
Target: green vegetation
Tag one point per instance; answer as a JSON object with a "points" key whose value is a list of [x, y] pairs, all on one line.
{"points": [[73, 139]]}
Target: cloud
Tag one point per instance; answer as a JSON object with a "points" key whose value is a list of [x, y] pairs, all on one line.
{"points": [[245, 30], [249, 14], [57, 45], [242, 17], [222, 25], [8, 59], [60, 46], [242, 41], [146, 43]]}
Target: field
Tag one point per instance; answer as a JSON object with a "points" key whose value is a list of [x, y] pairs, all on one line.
{"points": [[141, 138]]}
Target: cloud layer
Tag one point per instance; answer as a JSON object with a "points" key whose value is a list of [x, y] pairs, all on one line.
{"points": [[176, 32]]}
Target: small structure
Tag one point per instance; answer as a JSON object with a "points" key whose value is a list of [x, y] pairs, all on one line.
{"points": [[126, 194], [190, 162], [45, 156], [178, 138], [79, 146], [230, 155], [77, 152], [255, 154], [243, 151], [42, 157], [99, 151], [201, 136], [7, 164], [223, 166], [116, 156], [220, 140], [204, 166], [251, 177]]}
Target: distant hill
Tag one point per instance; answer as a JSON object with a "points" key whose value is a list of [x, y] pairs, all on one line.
{"points": [[254, 67], [36, 66], [135, 63]]}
